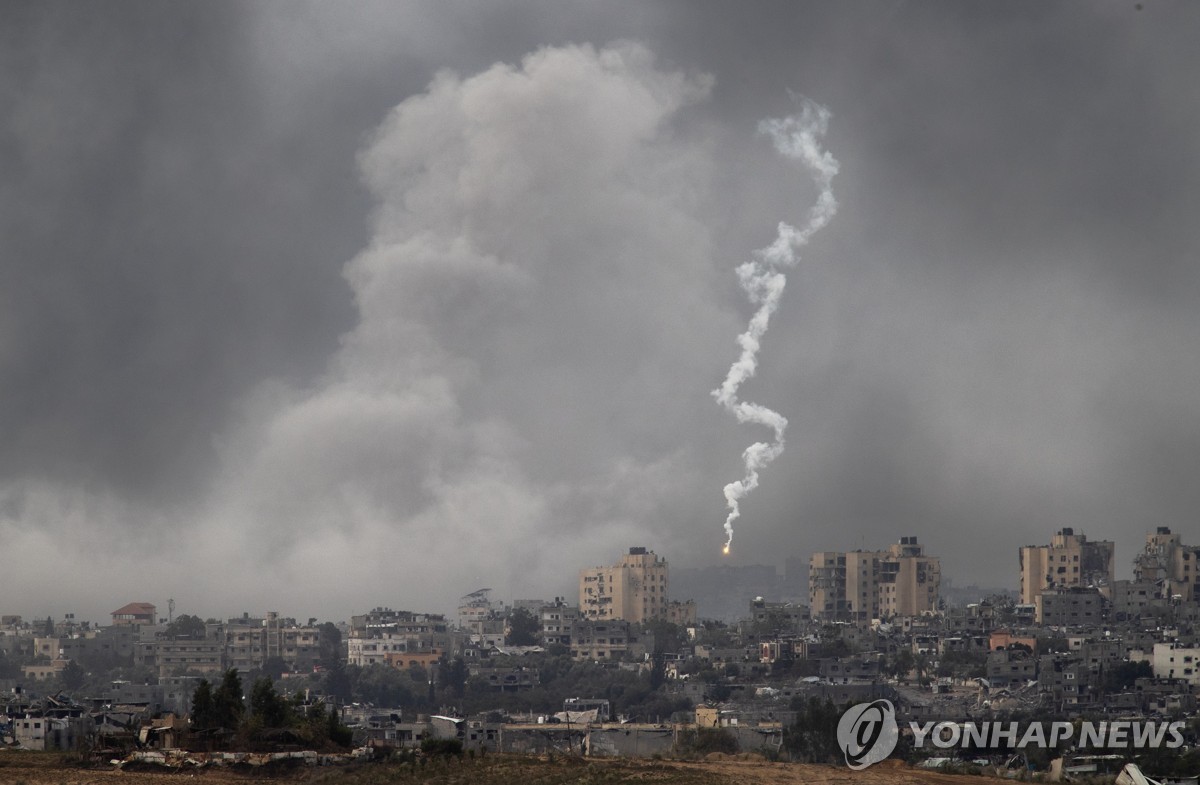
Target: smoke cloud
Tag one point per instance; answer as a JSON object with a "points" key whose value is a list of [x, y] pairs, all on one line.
{"points": [[796, 137], [526, 220]]}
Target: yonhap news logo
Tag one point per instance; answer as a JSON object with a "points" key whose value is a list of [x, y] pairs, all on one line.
{"points": [[867, 733]]}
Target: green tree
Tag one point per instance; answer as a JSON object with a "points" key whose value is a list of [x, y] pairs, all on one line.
{"points": [[48, 628], [228, 705], [203, 708], [268, 706], [384, 686], [337, 680], [337, 732], [813, 737], [442, 748], [523, 628]]}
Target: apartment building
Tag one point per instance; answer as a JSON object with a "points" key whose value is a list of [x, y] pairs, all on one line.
{"points": [[399, 638], [599, 640], [1070, 560], [632, 590], [1077, 606], [1175, 661], [862, 585], [909, 582], [1171, 565], [827, 585], [176, 656], [249, 642], [557, 618]]}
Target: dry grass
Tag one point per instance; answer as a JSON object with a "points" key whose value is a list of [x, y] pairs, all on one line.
{"points": [[35, 768]]}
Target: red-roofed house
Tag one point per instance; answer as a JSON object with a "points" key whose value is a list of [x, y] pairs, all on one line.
{"points": [[135, 613]]}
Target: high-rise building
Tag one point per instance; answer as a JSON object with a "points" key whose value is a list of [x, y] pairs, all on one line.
{"points": [[1174, 568], [909, 582], [827, 585], [1069, 560], [863, 585], [634, 589]]}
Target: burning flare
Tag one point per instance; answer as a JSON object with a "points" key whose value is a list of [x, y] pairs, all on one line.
{"points": [[795, 137]]}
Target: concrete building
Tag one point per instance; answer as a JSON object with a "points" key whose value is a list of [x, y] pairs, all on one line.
{"points": [[178, 692], [249, 642], [681, 612], [632, 590], [176, 657], [477, 609], [400, 639], [135, 613], [827, 585], [773, 618], [1069, 560], [557, 619], [1173, 661], [599, 640], [909, 582], [1132, 599], [387, 621], [860, 586], [1009, 668], [373, 651], [1067, 680], [1166, 562], [1078, 606]]}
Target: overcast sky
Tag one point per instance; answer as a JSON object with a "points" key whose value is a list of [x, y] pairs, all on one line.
{"points": [[314, 307]]}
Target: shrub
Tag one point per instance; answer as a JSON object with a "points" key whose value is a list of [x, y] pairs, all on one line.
{"points": [[442, 748]]}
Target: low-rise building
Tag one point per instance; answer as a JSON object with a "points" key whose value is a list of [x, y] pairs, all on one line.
{"points": [[178, 656], [557, 618], [250, 642], [135, 614], [1173, 661], [1076, 606], [599, 640], [1009, 668]]}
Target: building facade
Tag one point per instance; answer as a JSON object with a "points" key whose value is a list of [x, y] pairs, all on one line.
{"points": [[1070, 560], [1171, 565], [632, 590], [859, 586]]}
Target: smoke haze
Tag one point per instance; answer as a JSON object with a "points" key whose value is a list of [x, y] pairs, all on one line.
{"points": [[314, 307]]}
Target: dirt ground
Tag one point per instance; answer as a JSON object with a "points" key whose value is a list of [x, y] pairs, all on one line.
{"points": [[26, 768]]}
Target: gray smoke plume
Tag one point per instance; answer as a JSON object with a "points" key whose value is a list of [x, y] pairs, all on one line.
{"points": [[796, 137]]}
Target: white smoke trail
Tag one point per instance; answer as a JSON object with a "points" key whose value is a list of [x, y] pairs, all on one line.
{"points": [[797, 137]]}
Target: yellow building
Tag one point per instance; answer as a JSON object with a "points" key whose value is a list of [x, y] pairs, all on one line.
{"points": [[1070, 560], [863, 585], [633, 590], [909, 582]]}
